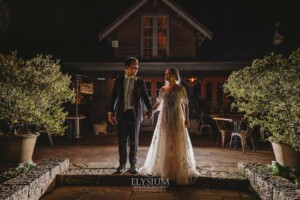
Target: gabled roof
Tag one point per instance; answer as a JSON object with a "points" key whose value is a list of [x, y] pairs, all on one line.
{"points": [[180, 12]]}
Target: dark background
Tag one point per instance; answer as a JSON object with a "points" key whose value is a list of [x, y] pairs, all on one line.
{"points": [[68, 29]]}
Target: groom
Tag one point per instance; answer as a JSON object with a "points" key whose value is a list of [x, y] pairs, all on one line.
{"points": [[128, 93]]}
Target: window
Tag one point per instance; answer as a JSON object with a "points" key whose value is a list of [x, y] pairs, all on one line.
{"points": [[155, 37], [162, 29], [148, 37]]}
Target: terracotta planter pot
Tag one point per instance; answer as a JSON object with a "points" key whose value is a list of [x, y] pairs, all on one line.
{"points": [[285, 154], [17, 149]]}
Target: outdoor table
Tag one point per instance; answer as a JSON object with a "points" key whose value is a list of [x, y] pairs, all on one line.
{"points": [[236, 120]]}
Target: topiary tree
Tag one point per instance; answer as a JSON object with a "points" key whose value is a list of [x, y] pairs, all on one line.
{"points": [[268, 92], [32, 93]]}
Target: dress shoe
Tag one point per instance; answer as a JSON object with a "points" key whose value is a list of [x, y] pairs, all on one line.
{"points": [[133, 169], [121, 169]]}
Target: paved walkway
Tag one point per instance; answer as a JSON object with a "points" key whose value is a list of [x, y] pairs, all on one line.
{"points": [[101, 151]]}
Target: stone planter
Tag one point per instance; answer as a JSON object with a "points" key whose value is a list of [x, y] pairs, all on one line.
{"points": [[100, 128], [286, 155], [17, 149]]}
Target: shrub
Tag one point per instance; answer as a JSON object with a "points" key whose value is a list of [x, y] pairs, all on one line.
{"points": [[268, 92], [32, 93]]}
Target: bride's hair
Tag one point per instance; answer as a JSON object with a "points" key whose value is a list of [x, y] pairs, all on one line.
{"points": [[174, 72]]}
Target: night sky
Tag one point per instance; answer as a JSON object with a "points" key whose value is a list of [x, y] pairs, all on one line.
{"points": [[241, 29]]}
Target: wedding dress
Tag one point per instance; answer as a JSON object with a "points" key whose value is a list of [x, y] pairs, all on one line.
{"points": [[171, 154]]}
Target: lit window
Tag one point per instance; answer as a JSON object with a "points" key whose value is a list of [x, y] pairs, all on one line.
{"points": [[155, 37], [162, 36]]}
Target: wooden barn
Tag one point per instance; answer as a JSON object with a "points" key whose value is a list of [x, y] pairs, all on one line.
{"points": [[160, 34]]}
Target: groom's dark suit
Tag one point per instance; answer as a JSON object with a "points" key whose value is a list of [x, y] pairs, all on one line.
{"points": [[128, 121]]}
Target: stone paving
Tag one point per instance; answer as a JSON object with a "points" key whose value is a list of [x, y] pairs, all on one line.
{"points": [[59, 181], [126, 193], [95, 158], [87, 181], [211, 177]]}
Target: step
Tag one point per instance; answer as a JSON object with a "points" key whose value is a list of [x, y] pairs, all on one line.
{"points": [[107, 177], [53, 173]]}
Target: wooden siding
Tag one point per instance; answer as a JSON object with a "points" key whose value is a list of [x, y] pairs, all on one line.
{"points": [[182, 40], [129, 38]]}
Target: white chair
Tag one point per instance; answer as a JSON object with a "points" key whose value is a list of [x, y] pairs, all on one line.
{"points": [[203, 123], [243, 135], [202, 126], [222, 131]]}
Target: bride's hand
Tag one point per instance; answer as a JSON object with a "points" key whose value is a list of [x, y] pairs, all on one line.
{"points": [[187, 123]]}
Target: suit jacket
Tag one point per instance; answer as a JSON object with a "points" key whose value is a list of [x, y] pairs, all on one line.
{"points": [[139, 94]]}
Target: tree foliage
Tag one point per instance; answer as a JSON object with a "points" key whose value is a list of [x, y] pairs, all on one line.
{"points": [[268, 92], [32, 93]]}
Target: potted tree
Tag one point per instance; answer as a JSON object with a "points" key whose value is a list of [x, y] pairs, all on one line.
{"points": [[31, 96], [268, 93]]}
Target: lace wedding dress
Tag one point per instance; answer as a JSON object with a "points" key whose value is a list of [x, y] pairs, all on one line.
{"points": [[171, 154]]}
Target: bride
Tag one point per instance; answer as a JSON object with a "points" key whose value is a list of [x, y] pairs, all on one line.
{"points": [[171, 154]]}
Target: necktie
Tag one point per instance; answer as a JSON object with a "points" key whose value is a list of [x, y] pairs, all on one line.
{"points": [[129, 93]]}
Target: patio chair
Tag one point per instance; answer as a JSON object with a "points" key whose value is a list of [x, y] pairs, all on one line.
{"points": [[222, 132], [243, 135], [203, 125]]}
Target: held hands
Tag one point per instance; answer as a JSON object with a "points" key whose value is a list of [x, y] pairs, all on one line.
{"points": [[149, 114]]}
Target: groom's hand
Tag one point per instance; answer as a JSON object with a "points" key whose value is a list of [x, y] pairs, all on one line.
{"points": [[111, 118]]}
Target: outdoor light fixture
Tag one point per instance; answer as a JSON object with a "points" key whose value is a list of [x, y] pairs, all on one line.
{"points": [[77, 78], [100, 78], [114, 43], [192, 79]]}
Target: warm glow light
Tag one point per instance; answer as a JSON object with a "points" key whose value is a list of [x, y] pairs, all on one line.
{"points": [[87, 88], [192, 79]]}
